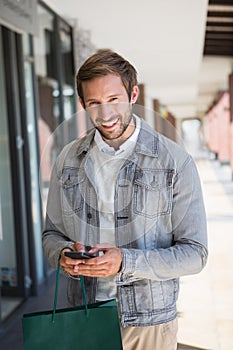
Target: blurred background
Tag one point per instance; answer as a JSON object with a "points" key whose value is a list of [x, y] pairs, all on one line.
{"points": [[183, 52]]}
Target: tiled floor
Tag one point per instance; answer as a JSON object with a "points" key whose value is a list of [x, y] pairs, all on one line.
{"points": [[8, 305], [205, 301]]}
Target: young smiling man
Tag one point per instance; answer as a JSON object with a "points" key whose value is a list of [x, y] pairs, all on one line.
{"points": [[110, 107], [134, 197]]}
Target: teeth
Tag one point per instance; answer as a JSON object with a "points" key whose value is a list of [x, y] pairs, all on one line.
{"points": [[110, 123]]}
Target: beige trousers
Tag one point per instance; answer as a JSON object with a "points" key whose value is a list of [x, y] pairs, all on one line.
{"points": [[159, 337]]}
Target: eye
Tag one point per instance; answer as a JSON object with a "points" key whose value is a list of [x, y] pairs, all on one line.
{"points": [[92, 103], [113, 99]]}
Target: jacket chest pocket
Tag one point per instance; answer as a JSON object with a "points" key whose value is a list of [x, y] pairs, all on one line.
{"points": [[153, 192], [72, 191]]}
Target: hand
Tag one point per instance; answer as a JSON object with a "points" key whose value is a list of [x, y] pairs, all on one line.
{"points": [[71, 265], [105, 265]]}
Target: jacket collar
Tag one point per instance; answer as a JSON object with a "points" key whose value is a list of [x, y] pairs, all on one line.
{"points": [[147, 142], [85, 142]]}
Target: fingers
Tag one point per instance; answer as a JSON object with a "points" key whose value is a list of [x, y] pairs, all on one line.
{"points": [[104, 266], [69, 265], [78, 247]]}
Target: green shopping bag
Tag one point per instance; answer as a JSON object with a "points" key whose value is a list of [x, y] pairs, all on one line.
{"points": [[87, 327]]}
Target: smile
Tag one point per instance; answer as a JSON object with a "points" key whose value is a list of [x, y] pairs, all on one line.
{"points": [[110, 124]]}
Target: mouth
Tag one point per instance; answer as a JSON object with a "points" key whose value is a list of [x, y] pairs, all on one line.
{"points": [[110, 124]]}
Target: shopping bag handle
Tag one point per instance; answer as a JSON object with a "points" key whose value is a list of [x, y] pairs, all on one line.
{"points": [[56, 293]]}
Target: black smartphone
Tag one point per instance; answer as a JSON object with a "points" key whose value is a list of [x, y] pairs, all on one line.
{"points": [[79, 255]]}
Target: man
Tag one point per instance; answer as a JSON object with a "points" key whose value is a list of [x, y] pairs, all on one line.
{"points": [[133, 196]]}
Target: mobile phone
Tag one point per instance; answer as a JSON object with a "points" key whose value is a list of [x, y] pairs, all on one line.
{"points": [[79, 255]]}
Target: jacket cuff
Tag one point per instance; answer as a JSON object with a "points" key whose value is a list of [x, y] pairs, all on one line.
{"points": [[56, 257], [126, 274]]}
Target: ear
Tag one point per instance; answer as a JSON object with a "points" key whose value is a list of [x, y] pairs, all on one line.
{"points": [[134, 94], [82, 102]]}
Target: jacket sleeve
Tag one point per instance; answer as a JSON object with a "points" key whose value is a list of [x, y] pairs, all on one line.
{"points": [[188, 253], [54, 236]]}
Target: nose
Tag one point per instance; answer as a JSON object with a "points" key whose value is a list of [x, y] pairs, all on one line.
{"points": [[105, 111]]}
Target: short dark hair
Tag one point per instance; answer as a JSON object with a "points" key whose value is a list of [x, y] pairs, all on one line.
{"points": [[103, 62]]}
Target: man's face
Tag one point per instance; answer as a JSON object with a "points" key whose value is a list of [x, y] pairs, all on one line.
{"points": [[107, 103]]}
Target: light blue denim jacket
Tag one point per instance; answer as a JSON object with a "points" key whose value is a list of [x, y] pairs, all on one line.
{"points": [[160, 223]]}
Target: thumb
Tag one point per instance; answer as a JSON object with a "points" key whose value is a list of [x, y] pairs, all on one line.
{"points": [[100, 247]]}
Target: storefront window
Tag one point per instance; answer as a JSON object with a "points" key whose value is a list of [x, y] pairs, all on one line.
{"points": [[48, 89], [8, 268], [70, 127], [55, 75]]}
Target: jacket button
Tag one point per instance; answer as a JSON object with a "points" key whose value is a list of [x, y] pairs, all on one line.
{"points": [[89, 215]]}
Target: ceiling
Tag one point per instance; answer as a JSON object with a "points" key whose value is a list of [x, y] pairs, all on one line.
{"points": [[219, 28], [165, 40], [217, 62]]}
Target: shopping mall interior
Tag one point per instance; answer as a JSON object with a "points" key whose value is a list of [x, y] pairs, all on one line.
{"points": [[183, 53]]}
